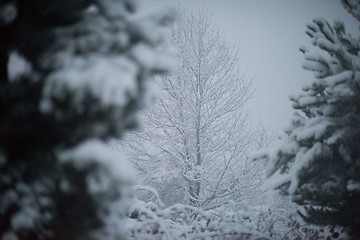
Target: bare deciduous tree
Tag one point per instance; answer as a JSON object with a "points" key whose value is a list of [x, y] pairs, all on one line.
{"points": [[196, 136]]}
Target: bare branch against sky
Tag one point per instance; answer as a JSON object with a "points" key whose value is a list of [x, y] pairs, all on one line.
{"points": [[269, 34]]}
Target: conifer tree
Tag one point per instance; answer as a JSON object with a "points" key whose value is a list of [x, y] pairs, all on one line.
{"points": [[89, 63], [317, 162]]}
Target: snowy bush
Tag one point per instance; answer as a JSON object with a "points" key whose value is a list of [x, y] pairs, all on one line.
{"points": [[150, 219]]}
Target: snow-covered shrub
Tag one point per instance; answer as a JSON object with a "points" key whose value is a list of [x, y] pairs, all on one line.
{"points": [[150, 219], [89, 64], [317, 162]]}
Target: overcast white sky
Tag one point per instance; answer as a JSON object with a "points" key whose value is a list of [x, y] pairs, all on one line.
{"points": [[268, 34]]}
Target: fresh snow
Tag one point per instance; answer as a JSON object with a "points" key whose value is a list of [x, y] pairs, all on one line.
{"points": [[96, 151]]}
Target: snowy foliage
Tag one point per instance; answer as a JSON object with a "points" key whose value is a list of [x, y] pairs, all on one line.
{"points": [[105, 58], [89, 63], [150, 219], [97, 152], [353, 7], [317, 161]]}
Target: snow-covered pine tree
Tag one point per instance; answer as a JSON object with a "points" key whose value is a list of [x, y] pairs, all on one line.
{"points": [[318, 159], [89, 62]]}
